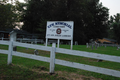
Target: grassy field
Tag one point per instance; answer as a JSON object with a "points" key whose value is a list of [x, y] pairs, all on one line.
{"points": [[28, 69]]}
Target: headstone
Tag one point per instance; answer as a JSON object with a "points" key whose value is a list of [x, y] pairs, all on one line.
{"points": [[105, 45], [98, 45], [92, 46], [76, 43], [41, 41], [35, 41], [61, 42], [44, 43], [36, 52], [87, 45], [118, 48]]}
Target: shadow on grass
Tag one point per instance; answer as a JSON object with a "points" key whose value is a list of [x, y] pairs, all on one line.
{"points": [[14, 72]]}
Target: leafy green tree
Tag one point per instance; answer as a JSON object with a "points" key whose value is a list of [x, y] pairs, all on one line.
{"points": [[117, 18], [35, 13], [19, 9], [7, 16], [114, 27], [98, 24], [89, 16], [116, 31], [91, 20]]}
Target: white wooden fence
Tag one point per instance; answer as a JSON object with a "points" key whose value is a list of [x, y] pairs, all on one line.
{"points": [[54, 61]]}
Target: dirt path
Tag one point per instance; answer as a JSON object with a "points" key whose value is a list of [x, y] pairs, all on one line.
{"points": [[62, 74]]}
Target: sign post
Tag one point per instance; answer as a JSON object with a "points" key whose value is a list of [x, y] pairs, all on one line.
{"points": [[59, 30], [46, 41], [58, 43], [71, 44]]}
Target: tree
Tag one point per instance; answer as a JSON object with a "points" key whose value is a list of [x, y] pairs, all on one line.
{"points": [[7, 16], [97, 26], [36, 12], [90, 17], [10, 14], [116, 31], [19, 9], [114, 27]]}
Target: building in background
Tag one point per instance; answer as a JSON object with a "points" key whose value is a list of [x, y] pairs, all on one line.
{"points": [[107, 41], [20, 34]]}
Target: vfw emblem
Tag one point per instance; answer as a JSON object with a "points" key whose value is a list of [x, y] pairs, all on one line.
{"points": [[58, 31]]}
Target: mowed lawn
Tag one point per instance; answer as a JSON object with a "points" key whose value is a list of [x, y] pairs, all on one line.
{"points": [[38, 70]]}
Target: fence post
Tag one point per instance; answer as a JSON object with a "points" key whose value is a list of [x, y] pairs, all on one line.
{"points": [[12, 38], [52, 58]]}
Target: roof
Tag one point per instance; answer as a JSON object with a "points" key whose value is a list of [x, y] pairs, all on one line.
{"points": [[112, 40], [21, 32], [16, 30]]}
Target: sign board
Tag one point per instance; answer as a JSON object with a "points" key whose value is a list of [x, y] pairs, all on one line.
{"points": [[59, 30]]}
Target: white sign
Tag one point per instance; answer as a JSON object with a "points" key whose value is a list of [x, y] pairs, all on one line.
{"points": [[59, 30]]}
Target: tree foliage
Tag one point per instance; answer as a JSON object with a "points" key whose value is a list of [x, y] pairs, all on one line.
{"points": [[99, 21], [114, 27], [19, 9], [89, 16], [7, 16]]}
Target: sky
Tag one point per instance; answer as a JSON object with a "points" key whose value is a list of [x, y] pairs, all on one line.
{"points": [[112, 5]]}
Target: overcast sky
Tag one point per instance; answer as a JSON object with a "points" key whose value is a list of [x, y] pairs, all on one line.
{"points": [[112, 5]]}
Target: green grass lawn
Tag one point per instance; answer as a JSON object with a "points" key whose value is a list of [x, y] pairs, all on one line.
{"points": [[21, 65]]}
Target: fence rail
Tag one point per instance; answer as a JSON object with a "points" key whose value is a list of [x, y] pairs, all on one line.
{"points": [[88, 68], [53, 61], [32, 46], [3, 51], [89, 55], [30, 56], [4, 42]]}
